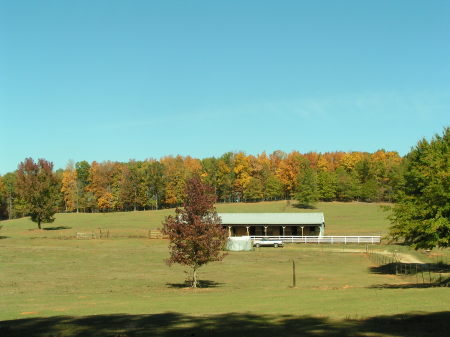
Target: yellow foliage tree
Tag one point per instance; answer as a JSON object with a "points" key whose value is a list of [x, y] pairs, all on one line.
{"points": [[287, 172], [69, 188], [242, 173], [106, 201]]}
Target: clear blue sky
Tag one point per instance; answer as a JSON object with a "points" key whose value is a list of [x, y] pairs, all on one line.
{"points": [[115, 80]]}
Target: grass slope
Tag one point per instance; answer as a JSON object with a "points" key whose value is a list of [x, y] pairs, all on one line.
{"points": [[341, 219]]}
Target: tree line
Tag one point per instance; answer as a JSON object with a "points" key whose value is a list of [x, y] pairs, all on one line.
{"points": [[235, 177]]}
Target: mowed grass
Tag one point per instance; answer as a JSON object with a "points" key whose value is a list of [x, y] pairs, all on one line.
{"points": [[51, 285]]}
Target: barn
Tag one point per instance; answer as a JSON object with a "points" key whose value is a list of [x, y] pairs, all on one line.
{"points": [[274, 224]]}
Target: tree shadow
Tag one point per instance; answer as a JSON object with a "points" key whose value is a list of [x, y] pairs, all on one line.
{"points": [[394, 268], [304, 206], [56, 228], [200, 284], [3, 237], [421, 284], [173, 324], [428, 275]]}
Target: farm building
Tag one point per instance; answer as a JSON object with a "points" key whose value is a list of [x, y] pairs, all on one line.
{"points": [[273, 224]]}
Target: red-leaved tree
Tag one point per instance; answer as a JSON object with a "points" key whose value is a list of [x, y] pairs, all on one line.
{"points": [[37, 187], [195, 232]]}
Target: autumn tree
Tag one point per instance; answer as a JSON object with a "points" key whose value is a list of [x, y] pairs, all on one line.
{"points": [[69, 188], [195, 232], [104, 182], [37, 187], [175, 177], [421, 216], [242, 175], [287, 172]]}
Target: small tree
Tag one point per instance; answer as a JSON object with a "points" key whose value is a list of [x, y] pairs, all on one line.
{"points": [[37, 187], [195, 232]]}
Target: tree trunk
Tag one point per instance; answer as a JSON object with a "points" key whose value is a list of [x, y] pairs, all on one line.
{"points": [[39, 224], [194, 278]]}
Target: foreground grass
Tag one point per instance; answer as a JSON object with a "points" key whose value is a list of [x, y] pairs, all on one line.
{"points": [[78, 278], [51, 285]]}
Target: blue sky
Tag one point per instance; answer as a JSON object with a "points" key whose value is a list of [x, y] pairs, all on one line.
{"points": [[120, 80]]}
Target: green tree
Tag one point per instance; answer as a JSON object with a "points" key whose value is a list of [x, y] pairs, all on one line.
{"points": [[421, 215], [326, 185], [38, 188], [195, 232], [307, 192], [13, 205], [273, 188], [154, 182], [86, 199], [254, 190], [348, 187]]}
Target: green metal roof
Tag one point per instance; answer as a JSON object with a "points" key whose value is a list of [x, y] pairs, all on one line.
{"points": [[272, 218]]}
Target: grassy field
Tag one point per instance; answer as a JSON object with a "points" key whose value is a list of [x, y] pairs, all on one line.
{"points": [[52, 285], [341, 219]]}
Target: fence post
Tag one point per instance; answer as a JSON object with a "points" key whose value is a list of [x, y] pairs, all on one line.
{"points": [[429, 272], [293, 274]]}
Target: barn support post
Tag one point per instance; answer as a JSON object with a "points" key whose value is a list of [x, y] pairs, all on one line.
{"points": [[248, 231], [265, 230], [229, 231]]}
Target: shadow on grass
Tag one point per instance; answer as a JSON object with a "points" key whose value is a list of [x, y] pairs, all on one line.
{"points": [[56, 228], [231, 324], [428, 275], [3, 237], [304, 206], [410, 268], [420, 284], [200, 284]]}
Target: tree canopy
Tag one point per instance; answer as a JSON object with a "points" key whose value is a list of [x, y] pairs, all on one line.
{"points": [[195, 232], [422, 212], [37, 187], [152, 184]]}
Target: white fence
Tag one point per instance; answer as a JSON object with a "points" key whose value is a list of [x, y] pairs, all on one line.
{"points": [[323, 239]]}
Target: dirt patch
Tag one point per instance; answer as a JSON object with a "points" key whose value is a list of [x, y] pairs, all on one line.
{"points": [[29, 313]]}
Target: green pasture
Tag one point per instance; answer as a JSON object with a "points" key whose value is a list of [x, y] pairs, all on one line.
{"points": [[351, 218], [54, 285]]}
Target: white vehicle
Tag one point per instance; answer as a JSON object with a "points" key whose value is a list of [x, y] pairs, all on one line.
{"points": [[267, 242]]}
